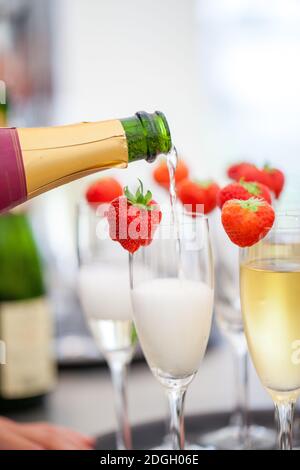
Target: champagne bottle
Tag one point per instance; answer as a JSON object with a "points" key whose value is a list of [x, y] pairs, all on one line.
{"points": [[25, 318], [27, 369], [33, 161]]}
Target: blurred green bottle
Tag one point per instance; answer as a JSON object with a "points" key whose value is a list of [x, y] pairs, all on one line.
{"points": [[27, 370], [3, 114]]}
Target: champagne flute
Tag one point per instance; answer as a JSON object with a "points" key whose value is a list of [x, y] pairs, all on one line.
{"points": [[239, 434], [269, 285], [104, 291], [172, 294]]}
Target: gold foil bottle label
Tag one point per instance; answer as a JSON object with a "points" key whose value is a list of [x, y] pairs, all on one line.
{"points": [[57, 155]]}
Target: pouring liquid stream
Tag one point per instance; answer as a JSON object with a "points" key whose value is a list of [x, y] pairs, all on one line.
{"points": [[172, 160]]}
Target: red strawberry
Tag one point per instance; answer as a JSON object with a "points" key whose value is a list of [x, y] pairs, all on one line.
{"points": [[244, 170], [194, 193], [161, 173], [274, 179], [133, 219], [243, 190], [104, 190], [247, 222], [213, 190], [270, 177]]}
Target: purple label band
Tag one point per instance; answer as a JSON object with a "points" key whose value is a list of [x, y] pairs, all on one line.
{"points": [[13, 189]]}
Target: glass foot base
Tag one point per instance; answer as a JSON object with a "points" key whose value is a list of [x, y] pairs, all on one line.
{"points": [[258, 437], [198, 447], [166, 445]]}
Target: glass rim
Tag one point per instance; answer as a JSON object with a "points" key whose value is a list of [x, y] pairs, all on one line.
{"points": [[195, 214], [182, 219], [288, 213], [290, 216]]}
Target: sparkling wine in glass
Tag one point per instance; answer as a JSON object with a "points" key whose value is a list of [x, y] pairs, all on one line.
{"points": [[240, 433], [270, 286], [104, 291], [172, 294]]}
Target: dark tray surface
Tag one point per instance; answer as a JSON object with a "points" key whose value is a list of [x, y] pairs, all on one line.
{"points": [[149, 435]]}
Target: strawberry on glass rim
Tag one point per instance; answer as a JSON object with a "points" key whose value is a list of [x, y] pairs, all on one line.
{"points": [[102, 191], [247, 171], [273, 178], [243, 190], [133, 219], [162, 177], [247, 222], [197, 194]]}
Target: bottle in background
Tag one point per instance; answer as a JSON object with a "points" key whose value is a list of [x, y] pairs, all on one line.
{"points": [[3, 114], [25, 317]]}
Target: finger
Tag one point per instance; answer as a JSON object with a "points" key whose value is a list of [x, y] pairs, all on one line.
{"points": [[66, 440], [12, 440], [68, 437], [78, 437], [6, 422], [55, 437]]}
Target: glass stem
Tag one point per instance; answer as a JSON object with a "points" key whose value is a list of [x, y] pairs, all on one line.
{"points": [[285, 413], [240, 414], [176, 398], [118, 371]]}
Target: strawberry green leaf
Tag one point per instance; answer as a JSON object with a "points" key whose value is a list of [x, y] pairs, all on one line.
{"points": [[252, 188], [268, 168], [148, 197], [204, 183], [252, 204], [129, 195], [139, 199], [141, 186]]}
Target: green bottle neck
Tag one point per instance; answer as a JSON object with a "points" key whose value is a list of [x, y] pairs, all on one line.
{"points": [[148, 135]]}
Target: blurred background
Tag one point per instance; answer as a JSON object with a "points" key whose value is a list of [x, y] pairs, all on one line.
{"points": [[225, 72]]}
